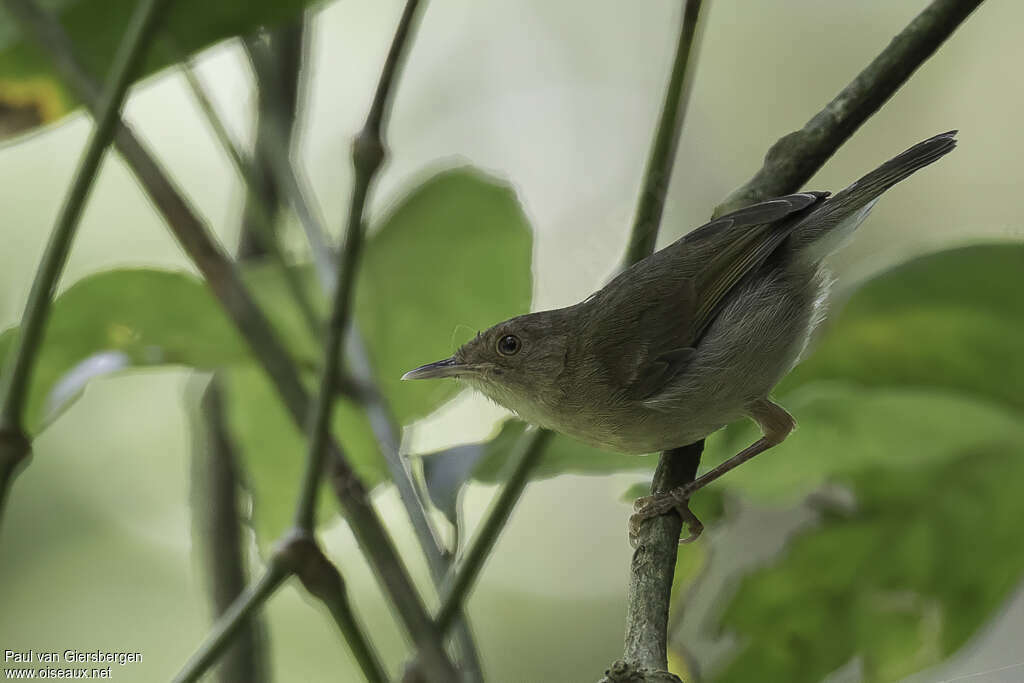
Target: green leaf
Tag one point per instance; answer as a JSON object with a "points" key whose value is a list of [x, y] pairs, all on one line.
{"points": [[153, 317], [275, 450], [451, 258], [843, 429], [158, 317], [949, 320], [31, 94], [928, 557], [446, 472]]}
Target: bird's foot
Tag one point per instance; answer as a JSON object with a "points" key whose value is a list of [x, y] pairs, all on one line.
{"points": [[649, 507]]}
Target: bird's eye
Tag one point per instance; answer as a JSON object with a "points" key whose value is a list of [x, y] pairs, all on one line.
{"points": [[509, 345]]}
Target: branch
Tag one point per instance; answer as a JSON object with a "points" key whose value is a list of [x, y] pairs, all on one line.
{"points": [[368, 152], [367, 157], [264, 186], [216, 482], [297, 553], [793, 159], [461, 581], [258, 233], [14, 385], [654, 559], [662, 156], [653, 567], [225, 628], [226, 284], [279, 94], [788, 164], [276, 135], [322, 580]]}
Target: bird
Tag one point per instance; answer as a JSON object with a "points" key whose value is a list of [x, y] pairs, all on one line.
{"points": [[685, 341]]}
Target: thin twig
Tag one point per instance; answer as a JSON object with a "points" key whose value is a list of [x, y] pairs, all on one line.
{"points": [[323, 581], [662, 156], [259, 228], [793, 159], [258, 214], [231, 621], [388, 436], [385, 428], [461, 581], [279, 97], [368, 152], [223, 279], [14, 385], [277, 148]]}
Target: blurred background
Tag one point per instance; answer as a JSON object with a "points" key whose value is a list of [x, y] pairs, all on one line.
{"points": [[559, 100]]}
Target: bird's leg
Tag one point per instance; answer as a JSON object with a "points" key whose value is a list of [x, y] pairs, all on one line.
{"points": [[775, 423]]}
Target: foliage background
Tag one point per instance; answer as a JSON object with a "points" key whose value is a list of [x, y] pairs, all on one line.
{"points": [[559, 99]]}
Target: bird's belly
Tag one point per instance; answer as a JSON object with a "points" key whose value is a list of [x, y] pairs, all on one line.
{"points": [[636, 429]]}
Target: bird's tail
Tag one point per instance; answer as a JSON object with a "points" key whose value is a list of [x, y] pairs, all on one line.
{"points": [[828, 226]]}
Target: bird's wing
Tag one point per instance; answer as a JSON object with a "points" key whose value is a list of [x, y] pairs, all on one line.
{"points": [[648, 320]]}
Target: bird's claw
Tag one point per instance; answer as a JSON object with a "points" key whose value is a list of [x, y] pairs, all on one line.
{"points": [[648, 507]]}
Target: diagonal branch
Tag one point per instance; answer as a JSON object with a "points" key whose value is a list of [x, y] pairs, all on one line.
{"points": [[259, 212], [276, 136], [793, 159], [231, 621], [14, 384], [461, 581], [224, 281], [367, 157]]}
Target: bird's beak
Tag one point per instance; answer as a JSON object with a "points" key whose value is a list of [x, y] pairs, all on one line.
{"points": [[448, 367]]}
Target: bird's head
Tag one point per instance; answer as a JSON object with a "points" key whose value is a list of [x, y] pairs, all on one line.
{"points": [[517, 363]]}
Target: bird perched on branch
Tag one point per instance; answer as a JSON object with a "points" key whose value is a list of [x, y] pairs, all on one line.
{"points": [[685, 341]]}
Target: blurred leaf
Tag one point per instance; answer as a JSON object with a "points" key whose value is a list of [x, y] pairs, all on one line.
{"points": [[929, 556], [563, 455], [152, 317], [274, 450], [267, 284], [843, 429], [30, 92], [446, 472], [451, 258], [637, 490], [949, 320]]}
